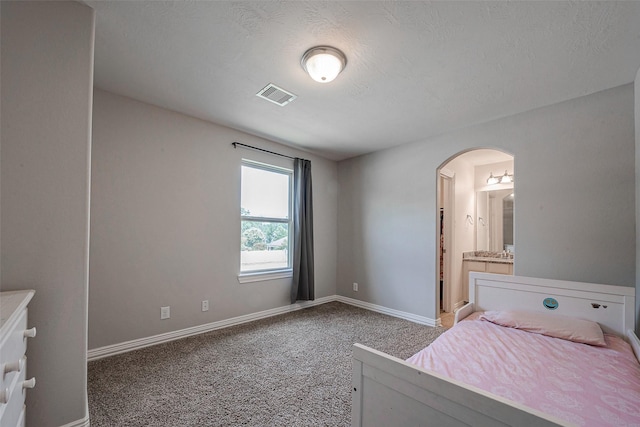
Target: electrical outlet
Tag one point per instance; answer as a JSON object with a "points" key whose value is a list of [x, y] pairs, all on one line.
{"points": [[165, 312], [205, 305], [355, 286]]}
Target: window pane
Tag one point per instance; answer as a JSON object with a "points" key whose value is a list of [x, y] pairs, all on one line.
{"points": [[264, 246], [264, 193]]}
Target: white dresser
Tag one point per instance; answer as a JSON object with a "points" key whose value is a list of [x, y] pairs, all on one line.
{"points": [[13, 361]]}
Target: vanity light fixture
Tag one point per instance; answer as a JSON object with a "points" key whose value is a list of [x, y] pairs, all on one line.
{"points": [[492, 179], [504, 179], [323, 63]]}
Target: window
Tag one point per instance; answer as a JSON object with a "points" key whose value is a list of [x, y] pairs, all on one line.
{"points": [[266, 218]]}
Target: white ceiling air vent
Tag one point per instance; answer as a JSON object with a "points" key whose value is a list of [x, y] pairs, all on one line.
{"points": [[276, 95]]}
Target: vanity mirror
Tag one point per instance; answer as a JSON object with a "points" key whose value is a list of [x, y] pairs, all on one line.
{"points": [[494, 214]]}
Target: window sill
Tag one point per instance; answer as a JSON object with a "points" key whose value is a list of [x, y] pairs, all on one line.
{"points": [[264, 275]]}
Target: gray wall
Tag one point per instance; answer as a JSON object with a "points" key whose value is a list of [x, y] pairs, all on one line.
{"points": [[0, 151], [573, 220], [165, 224], [47, 79], [637, 157]]}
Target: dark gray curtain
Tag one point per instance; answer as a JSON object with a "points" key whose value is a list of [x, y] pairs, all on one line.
{"points": [[303, 284]]}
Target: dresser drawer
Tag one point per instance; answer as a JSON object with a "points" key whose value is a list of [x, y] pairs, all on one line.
{"points": [[10, 411], [13, 347], [21, 422], [13, 361]]}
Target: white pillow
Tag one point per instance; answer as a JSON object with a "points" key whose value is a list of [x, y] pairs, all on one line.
{"points": [[552, 325]]}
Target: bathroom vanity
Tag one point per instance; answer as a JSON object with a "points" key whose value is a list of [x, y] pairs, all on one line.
{"points": [[484, 261]]}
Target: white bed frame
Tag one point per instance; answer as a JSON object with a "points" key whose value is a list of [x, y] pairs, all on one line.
{"points": [[388, 391]]}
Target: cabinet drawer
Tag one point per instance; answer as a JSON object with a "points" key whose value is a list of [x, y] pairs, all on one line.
{"points": [[475, 265], [493, 267]]}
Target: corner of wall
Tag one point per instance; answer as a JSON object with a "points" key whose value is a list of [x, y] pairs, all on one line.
{"points": [[637, 187], [46, 97]]}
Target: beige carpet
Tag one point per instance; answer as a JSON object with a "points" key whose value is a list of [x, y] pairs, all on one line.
{"points": [[288, 370]]}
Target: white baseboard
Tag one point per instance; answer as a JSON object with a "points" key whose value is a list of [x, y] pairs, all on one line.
{"points": [[111, 350], [390, 311], [84, 422]]}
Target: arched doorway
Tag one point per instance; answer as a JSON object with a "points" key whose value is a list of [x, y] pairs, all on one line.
{"points": [[463, 220]]}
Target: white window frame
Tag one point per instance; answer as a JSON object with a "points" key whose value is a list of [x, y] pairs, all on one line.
{"points": [[273, 273]]}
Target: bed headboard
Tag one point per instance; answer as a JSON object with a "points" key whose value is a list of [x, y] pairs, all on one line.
{"points": [[611, 306]]}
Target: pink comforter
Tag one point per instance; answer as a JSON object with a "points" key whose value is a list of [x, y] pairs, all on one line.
{"points": [[579, 383]]}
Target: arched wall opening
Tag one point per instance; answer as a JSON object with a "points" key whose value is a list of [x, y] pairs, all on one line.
{"points": [[474, 223]]}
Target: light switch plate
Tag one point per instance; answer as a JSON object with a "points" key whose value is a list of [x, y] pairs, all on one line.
{"points": [[165, 312]]}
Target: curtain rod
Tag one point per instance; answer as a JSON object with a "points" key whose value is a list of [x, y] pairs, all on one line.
{"points": [[235, 145]]}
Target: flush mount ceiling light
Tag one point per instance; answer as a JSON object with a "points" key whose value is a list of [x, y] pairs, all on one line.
{"points": [[323, 63]]}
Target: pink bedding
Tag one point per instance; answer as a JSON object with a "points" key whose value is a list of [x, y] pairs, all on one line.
{"points": [[579, 383]]}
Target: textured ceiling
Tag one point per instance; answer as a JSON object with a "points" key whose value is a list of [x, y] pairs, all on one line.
{"points": [[415, 69]]}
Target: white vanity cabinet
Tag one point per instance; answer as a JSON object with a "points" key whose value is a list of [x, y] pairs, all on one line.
{"points": [[482, 266], [14, 334]]}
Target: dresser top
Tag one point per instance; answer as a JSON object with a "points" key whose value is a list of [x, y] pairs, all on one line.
{"points": [[11, 303]]}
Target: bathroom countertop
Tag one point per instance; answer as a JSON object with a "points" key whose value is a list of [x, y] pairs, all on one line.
{"points": [[487, 256], [489, 259]]}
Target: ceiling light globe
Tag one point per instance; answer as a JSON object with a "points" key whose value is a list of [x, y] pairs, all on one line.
{"points": [[323, 63], [323, 67], [492, 179], [505, 179]]}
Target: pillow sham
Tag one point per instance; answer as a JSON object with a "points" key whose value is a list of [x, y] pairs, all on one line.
{"points": [[557, 326]]}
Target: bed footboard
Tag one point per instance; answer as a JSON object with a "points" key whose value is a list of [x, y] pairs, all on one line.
{"points": [[388, 391]]}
